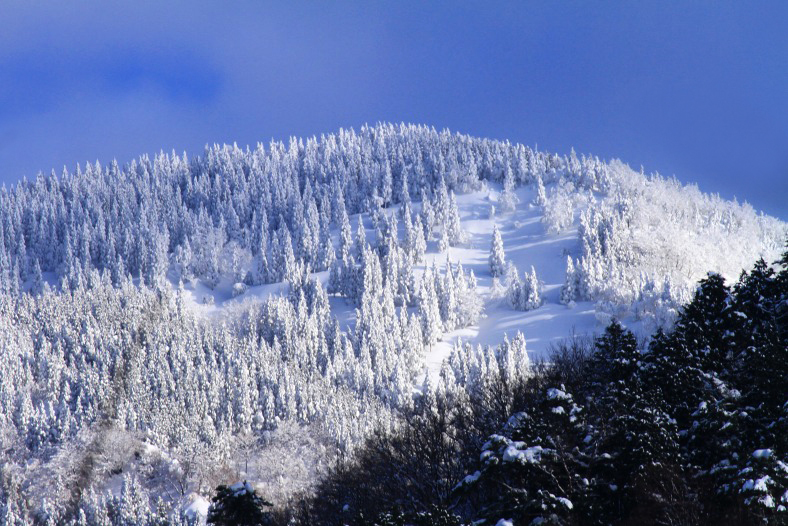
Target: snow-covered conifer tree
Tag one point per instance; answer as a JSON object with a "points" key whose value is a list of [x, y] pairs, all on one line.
{"points": [[441, 203], [361, 237], [447, 296], [568, 290], [427, 215], [443, 240], [345, 236], [37, 286], [429, 310], [497, 256], [404, 195], [418, 244], [533, 297], [407, 220], [325, 253], [508, 200], [516, 290], [385, 183], [406, 281], [541, 195], [452, 224], [469, 304]]}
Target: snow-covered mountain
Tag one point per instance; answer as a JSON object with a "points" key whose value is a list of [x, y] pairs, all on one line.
{"points": [[255, 313]]}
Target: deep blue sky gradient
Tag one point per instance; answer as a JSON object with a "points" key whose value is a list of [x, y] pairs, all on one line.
{"points": [[695, 89]]}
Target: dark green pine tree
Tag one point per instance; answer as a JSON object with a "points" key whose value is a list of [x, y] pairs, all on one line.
{"points": [[238, 505], [782, 288], [763, 346], [706, 323], [762, 379], [616, 358], [713, 449], [762, 485], [632, 442], [737, 443], [686, 364], [530, 473]]}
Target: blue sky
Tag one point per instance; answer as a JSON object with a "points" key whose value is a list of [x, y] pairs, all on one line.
{"points": [[695, 89]]}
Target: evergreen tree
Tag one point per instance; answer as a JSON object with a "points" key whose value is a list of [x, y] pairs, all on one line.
{"points": [[452, 226], [527, 471], [760, 343], [429, 310], [345, 236], [407, 219], [442, 204], [325, 254], [404, 195], [497, 257], [681, 363], [427, 215], [568, 290], [633, 442], [335, 277], [37, 286], [706, 322], [515, 292], [508, 199], [531, 291], [443, 240], [361, 238], [238, 505], [418, 243], [541, 196]]}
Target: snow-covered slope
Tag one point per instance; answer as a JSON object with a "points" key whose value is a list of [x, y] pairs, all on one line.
{"points": [[527, 243], [530, 240]]}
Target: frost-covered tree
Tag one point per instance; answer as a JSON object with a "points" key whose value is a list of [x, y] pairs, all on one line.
{"points": [[523, 294], [452, 227], [404, 197], [497, 257], [514, 288], [345, 236], [361, 238], [37, 286], [429, 311], [532, 290], [469, 306], [417, 244], [526, 472], [427, 214], [508, 199], [568, 289], [325, 253], [443, 240], [541, 196]]}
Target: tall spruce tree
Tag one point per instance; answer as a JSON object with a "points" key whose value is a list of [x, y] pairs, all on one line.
{"points": [[497, 257], [238, 505], [569, 288]]}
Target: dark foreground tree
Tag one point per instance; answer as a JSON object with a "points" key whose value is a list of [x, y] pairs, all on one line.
{"points": [[435, 516], [238, 505]]}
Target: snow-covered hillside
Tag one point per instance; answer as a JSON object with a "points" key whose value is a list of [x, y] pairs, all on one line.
{"points": [[527, 243], [174, 318], [674, 235]]}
